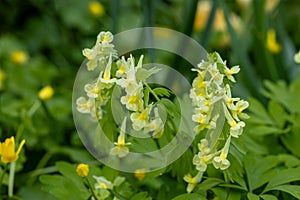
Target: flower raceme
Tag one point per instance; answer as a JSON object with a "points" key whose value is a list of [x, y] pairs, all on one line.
{"points": [[7, 150], [121, 73], [212, 99]]}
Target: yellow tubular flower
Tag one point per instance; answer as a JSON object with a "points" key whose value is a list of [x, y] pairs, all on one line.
{"points": [[7, 150], [120, 148], [96, 8], [272, 45], [46, 93], [82, 170], [18, 57]]}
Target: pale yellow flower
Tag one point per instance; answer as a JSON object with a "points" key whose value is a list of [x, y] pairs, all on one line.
{"points": [[229, 72], [236, 128], [82, 170], [192, 181], [140, 119], [297, 57], [133, 102], [102, 183], [18, 57], [201, 160], [106, 79], [46, 93], [7, 150], [221, 161], [120, 148], [156, 126], [96, 8]]}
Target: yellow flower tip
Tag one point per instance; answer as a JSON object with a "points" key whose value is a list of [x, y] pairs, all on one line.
{"points": [[140, 174], [297, 57], [2, 77], [272, 45], [96, 9], [46, 93], [19, 57], [82, 170], [7, 150]]}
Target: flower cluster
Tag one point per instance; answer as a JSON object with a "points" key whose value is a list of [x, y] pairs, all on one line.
{"points": [[131, 78], [133, 100], [104, 187], [211, 96]]}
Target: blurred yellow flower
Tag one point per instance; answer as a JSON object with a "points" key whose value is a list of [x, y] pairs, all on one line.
{"points": [[202, 15], [272, 45], [46, 93], [2, 76], [96, 8], [140, 174], [297, 57], [203, 12], [270, 5], [82, 170], [7, 150], [18, 57]]}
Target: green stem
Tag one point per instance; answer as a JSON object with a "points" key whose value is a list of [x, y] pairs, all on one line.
{"points": [[91, 189], [152, 92], [2, 175], [119, 196], [19, 132], [11, 179], [34, 108], [48, 113]]}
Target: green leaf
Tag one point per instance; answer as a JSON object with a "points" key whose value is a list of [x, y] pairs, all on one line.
{"points": [[193, 196], [209, 183], [291, 189], [260, 113], [68, 171], [252, 196], [291, 141], [233, 194], [233, 186], [277, 92], [283, 177], [259, 170], [278, 113], [268, 197], [142, 74], [267, 130], [170, 107], [62, 188], [289, 160], [160, 91], [141, 196]]}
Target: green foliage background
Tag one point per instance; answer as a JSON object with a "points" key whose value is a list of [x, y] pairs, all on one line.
{"points": [[52, 33]]}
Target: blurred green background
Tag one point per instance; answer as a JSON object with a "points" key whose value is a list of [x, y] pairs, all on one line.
{"points": [[41, 44]]}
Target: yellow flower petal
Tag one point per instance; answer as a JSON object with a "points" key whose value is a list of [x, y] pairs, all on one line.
{"points": [[7, 150]]}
